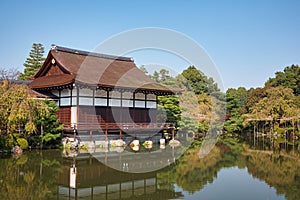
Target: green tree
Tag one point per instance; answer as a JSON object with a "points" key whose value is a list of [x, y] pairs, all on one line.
{"points": [[235, 100], [290, 78], [161, 76], [143, 69], [169, 109], [164, 75], [198, 82], [168, 106], [155, 76], [49, 125], [33, 62]]}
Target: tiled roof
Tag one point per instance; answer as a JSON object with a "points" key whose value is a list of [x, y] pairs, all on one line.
{"points": [[40, 94], [50, 81], [94, 69]]}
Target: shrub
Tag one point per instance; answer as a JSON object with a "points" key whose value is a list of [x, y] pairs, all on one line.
{"points": [[2, 142], [34, 141], [9, 142], [22, 142]]}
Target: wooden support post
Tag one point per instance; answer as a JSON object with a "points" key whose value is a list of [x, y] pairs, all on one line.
{"points": [[173, 131], [91, 135], [120, 134], [106, 134]]}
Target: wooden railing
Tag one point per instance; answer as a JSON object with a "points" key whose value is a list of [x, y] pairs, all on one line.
{"points": [[118, 126]]}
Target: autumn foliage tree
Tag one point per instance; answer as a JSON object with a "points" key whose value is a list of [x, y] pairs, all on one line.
{"points": [[18, 109], [278, 103], [22, 115]]}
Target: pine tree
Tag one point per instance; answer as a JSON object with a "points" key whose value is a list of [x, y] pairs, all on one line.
{"points": [[33, 62]]}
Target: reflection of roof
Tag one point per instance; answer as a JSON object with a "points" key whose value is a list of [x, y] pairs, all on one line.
{"points": [[93, 69]]}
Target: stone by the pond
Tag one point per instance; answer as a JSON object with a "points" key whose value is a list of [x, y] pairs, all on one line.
{"points": [[162, 141], [117, 143], [73, 142], [148, 144], [17, 150], [135, 143], [174, 143]]}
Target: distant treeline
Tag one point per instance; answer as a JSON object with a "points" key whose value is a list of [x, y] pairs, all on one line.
{"points": [[274, 108]]}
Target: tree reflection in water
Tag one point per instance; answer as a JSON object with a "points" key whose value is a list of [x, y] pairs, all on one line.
{"points": [[29, 176], [276, 167], [41, 174]]}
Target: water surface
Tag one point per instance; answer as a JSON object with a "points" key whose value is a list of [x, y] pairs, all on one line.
{"points": [[251, 168]]}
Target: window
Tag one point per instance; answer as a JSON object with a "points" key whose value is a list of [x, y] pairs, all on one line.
{"points": [[85, 101], [151, 104], [139, 104], [115, 102], [65, 101], [100, 102]]}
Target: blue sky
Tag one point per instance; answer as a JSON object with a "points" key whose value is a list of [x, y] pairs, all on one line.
{"points": [[247, 40]]}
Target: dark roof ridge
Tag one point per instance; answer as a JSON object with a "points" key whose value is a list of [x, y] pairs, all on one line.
{"points": [[87, 53]]}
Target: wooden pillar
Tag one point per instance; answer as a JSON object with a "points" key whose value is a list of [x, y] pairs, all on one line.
{"points": [[107, 98], [106, 134], [91, 135], [71, 98], [121, 109], [173, 131], [120, 134], [133, 102], [145, 100], [93, 96], [59, 97]]}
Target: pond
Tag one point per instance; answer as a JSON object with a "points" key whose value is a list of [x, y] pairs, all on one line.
{"points": [[235, 168]]}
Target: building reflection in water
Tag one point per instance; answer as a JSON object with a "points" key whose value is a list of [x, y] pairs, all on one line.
{"points": [[85, 177]]}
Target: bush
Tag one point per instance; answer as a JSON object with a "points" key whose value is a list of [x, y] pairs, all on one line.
{"points": [[50, 138], [9, 142], [35, 141], [2, 142], [22, 142]]}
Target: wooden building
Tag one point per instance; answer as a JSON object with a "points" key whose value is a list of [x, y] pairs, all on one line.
{"points": [[96, 91]]}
